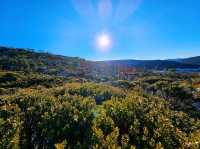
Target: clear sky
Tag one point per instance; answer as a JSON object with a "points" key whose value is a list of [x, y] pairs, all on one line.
{"points": [[103, 29]]}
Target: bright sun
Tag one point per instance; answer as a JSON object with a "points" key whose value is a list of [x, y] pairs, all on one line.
{"points": [[104, 42]]}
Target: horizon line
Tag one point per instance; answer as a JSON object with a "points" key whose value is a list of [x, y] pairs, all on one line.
{"points": [[93, 59]]}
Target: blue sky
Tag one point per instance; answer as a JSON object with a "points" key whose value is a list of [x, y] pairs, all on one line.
{"points": [[139, 29]]}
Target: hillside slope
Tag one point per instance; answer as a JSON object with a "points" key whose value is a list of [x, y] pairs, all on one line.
{"points": [[29, 60], [149, 64], [192, 60], [15, 59]]}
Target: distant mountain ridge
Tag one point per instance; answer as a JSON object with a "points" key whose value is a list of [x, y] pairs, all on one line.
{"points": [[29, 60], [191, 60], [151, 64]]}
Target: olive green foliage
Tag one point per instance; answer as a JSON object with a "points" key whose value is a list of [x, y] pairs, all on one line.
{"points": [[151, 111], [28, 60], [24, 80], [99, 92]]}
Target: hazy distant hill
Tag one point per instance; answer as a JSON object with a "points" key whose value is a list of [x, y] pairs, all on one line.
{"points": [[29, 60], [150, 64], [192, 60]]}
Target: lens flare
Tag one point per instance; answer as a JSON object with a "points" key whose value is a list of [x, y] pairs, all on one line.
{"points": [[85, 8], [105, 9], [126, 8]]}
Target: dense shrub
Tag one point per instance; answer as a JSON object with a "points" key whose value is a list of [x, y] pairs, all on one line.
{"points": [[49, 113]]}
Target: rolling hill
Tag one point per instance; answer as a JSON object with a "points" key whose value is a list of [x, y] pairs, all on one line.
{"points": [[191, 60], [16, 59], [150, 64], [28, 60]]}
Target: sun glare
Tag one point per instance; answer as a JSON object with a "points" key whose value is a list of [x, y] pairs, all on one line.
{"points": [[104, 42]]}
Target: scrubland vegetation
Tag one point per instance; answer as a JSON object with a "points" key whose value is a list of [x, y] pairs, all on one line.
{"points": [[150, 111], [49, 101]]}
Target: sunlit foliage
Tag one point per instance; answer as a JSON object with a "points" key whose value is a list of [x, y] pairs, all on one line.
{"points": [[41, 111]]}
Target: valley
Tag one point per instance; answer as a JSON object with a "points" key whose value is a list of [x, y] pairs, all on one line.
{"points": [[51, 101]]}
